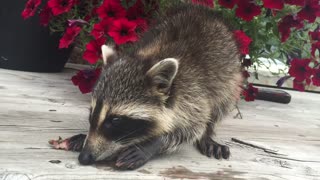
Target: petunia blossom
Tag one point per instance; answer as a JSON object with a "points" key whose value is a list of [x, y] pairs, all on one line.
{"points": [[247, 10], [295, 2], [69, 36], [101, 29], [111, 9], [30, 8], [286, 24], [61, 6], [316, 77], [250, 93], [93, 50], [314, 47], [310, 11], [123, 31], [243, 40], [300, 69], [315, 35], [45, 16], [86, 79], [273, 4], [228, 3]]}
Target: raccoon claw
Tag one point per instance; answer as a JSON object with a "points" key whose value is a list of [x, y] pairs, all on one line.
{"points": [[74, 143], [132, 158], [211, 148]]}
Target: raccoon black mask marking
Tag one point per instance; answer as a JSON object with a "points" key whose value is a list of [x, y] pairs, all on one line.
{"points": [[178, 83]]}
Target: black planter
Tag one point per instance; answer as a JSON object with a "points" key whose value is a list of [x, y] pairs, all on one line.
{"points": [[25, 45]]}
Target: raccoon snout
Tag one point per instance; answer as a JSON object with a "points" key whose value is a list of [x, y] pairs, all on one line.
{"points": [[86, 158]]}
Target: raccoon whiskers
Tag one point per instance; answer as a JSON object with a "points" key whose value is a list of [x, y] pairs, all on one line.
{"points": [[144, 152], [130, 133]]}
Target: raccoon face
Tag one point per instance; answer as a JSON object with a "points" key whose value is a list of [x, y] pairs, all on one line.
{"points": [[128, 106]]}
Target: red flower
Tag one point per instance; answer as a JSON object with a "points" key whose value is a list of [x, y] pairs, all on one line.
{"points": [[300, 69], [314, 47], [243, 40], [316, 77], [298, 85], [101, 29], [111, 9], [86, 79], [93, 50], [30, 8], [136, 11], [250, 93], [123, 31], [273, 4], [245, 74], [295, 2], [247, 10], [286, 24], [208, 3], [45, 16], [310, 11], [228, 3], [315, 35], [61, 6], [69, 36]]}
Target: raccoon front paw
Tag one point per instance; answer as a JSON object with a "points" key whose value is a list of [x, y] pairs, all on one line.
{"points": [[210, 148], [74, 143], [132, 158]]}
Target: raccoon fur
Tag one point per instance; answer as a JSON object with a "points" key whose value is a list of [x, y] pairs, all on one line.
{"points": [[180, 80]]}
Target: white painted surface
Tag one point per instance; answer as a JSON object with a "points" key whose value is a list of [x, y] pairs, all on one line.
{"points": [[26, 125]]}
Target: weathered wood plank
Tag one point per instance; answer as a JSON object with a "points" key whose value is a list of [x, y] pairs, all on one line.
{"points": [[36, 107]]}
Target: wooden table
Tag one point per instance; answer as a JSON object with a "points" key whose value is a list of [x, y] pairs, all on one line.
{"points": [[276, 141]]}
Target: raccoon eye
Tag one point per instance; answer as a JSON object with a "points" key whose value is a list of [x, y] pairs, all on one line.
{"points": [[115, 121]]}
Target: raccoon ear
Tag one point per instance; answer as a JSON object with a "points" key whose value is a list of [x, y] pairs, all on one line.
{"points": [[162, 74], [107, 52]]}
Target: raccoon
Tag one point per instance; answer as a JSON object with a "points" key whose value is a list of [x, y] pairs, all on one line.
{"points": [[180, 80]]}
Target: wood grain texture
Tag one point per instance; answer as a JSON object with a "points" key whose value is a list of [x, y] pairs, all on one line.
{"points": [[36, 107]]}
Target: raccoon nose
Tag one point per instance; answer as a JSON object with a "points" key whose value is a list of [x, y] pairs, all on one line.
{"points": [[85, 158]]}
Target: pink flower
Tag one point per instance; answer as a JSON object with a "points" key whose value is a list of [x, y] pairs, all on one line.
{"points": [[316, 77], [93, 50], [123, 31], [243, 40], [228, 3], [315, 46], [45, 16], [310, 11], [295, 2], [247, 10], [111, 9], [61, 6], [30, 8], [101, 29], [86, 79], [69, 35], [300, 69], [273, 4], [250, 93], [286, 24]]}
